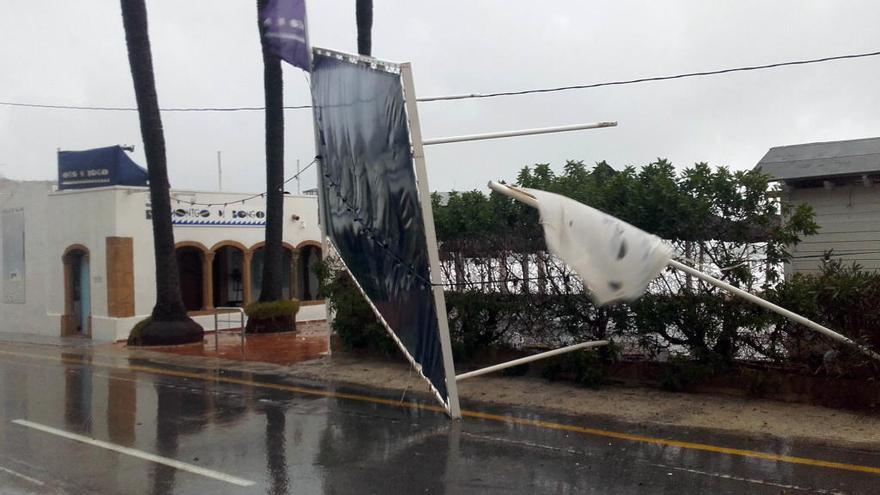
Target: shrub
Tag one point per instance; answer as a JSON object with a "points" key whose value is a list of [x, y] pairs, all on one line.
{"points": [[272, 309], [478, 320], [271, 316], [353, 320], [842, 297], [588, 368], [682, 372]]}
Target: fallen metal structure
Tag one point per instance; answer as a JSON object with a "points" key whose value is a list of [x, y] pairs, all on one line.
{"points": [[526, 198]]}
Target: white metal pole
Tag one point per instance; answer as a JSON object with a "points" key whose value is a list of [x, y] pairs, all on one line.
{"points": [[521, 132], [322, 213], [514, 192], [529, 359], [298, 191], [526, 198], [418, 154], [219, 172], [416, 366], [772, 307]]}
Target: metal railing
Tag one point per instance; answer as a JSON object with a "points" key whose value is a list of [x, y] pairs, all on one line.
{"points": [[227, 310]]}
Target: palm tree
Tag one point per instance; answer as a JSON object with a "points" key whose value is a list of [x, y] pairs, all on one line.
{"points": [[169, 323], [273, 252], [363, 13]]}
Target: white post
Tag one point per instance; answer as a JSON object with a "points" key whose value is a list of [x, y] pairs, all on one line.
{"points": [[219, 173], [322, 219], [521, 132], [529, 359], [514, 192], [418, 154]]}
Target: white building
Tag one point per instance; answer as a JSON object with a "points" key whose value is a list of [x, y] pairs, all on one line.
{"points": [[839, 180], [80, 261]]}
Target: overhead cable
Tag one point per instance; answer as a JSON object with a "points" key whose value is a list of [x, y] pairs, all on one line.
{"points": [[469, 96]]}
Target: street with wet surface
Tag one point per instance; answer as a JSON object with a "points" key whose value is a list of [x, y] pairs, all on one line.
{"points": [[75, 420]]}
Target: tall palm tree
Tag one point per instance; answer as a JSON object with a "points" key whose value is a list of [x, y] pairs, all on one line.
{"points": [[273, 252], [363, 13], [169, 323]]}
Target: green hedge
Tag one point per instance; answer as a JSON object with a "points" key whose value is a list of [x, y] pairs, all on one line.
{"points": [[272, 309]]}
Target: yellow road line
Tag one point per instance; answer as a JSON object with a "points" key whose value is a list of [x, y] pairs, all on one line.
{"points": [[473, 414]]}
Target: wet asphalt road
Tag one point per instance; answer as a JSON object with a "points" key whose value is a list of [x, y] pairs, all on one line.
{"points": [[251, 437]]}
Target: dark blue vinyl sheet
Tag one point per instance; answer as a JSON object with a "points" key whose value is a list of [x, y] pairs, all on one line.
{"points": [[371, 200], [99, 167]]}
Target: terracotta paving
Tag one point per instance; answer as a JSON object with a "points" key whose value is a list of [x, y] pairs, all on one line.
{"points": [[310, 341]]}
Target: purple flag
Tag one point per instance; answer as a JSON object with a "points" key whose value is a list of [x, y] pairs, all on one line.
{"points": [[283, 30]]}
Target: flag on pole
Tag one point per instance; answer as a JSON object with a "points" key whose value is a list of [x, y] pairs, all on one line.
{"points": [[615, 260], [283, 31]]}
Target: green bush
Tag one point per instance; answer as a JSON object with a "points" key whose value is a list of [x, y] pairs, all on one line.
{"points": [[478, 320], [842, 297], [682, 372], [588, 368], [272, 309], [353, 320]]}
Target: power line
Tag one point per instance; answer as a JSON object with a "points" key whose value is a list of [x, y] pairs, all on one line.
{"points": [[651, 79], [245, 198], [479, 95], [134, 109]]}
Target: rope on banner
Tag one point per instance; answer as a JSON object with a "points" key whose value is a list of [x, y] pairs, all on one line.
{"points": [[377, 237]]}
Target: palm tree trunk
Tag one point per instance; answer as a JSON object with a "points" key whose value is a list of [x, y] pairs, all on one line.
{"points": [[273, 251], [169, 304], [364, 18]]}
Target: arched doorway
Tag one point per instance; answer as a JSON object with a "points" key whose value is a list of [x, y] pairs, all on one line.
{"points": [[287, 292], [228, 276], [77, 292], [189, 266], [309, 255]]}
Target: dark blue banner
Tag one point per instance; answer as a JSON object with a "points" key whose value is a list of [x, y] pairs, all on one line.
{"points": [[371, 202], [99, 167], [283, 31]]}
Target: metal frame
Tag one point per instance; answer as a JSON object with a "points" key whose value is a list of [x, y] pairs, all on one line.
{"points": [[528, 199], [396, 339], [217, 327], [371, 62], [322, 219], [529, 359], [418, 155], [521, 132]]}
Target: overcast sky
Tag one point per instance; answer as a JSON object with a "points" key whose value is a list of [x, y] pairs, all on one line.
{"points": [[207, 54]]}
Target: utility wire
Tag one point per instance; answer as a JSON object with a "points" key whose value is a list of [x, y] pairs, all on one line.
{"points": [[650, 79], [481, 95], [245, 198]]}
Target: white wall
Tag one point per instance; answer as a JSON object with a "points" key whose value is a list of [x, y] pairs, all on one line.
{"points": [[57, 220], [31, 316], [849, 223], [305, 207]]}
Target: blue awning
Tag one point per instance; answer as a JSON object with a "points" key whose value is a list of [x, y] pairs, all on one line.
{"points": [[98, 167]]}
